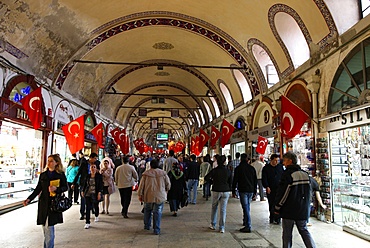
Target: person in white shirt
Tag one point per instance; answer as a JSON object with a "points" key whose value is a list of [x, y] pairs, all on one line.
{"points": [[258, 166]]}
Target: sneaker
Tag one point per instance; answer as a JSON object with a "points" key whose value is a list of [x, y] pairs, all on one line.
{"points": [[222, 230], [87, 226], [212, 227], [96, 219]]}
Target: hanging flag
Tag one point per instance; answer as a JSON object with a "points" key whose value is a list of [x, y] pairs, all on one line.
{"points": [[75, 134], [141, 146], [203, 139], [32, 104], [115, 134], [261, 145], [197, 150], [97, 131], [122, 140], [192, 146], [292, 118], [127, 148], [227, 131], [215, 135]]}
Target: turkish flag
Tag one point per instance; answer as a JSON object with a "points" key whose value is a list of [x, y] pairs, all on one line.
{"points": [[261, 145], [115, 133], [136, 144], [122, 140], [141, 145], [97, 131], [32, 104], [192, 146], [197, 150], [227, 131], [215, 135], [204, 137], [292, 118], [75, 134], [127, 148]]}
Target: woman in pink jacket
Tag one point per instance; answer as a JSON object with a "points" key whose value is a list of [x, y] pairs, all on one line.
{"points": [[108, 188]]}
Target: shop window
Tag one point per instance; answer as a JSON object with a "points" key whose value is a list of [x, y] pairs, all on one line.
{"points": [[350, 86]]}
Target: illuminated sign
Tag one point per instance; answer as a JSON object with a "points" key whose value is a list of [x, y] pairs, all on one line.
{"points": [[162, 136]]}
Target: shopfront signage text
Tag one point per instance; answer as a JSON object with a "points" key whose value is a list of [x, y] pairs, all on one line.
{"points": [[21, 114], [344, 120]]}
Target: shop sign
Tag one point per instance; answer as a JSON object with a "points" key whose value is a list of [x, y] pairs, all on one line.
{"points": [[265, 131], [89, 136], [351, 119], [64, 112], [237, 137]]}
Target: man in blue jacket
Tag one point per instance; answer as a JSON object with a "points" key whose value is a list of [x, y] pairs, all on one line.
{"points": [[293, 201]]}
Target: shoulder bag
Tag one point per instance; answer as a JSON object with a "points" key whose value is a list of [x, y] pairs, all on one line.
{"points": [[60, 203]]}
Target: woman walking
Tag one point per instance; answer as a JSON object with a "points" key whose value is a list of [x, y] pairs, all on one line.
{"points": [[178, 186], [53, 175], [71, 173], [108, 188]]}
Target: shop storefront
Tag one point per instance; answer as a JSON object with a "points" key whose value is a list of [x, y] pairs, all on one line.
{"points": [[22, 156], [237, 142], [349, 147], [90, 141]]}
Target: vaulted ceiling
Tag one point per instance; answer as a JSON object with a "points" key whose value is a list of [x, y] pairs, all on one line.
{"points": [[119, 56]]}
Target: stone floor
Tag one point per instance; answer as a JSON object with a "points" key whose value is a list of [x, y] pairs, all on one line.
{"points": [[190, 229]]}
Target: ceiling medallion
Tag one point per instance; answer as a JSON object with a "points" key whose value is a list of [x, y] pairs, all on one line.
{"points": [[163, 46], [161, 73]]}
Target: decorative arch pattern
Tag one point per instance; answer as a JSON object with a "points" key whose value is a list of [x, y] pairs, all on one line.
{"points": [[212, 33]]}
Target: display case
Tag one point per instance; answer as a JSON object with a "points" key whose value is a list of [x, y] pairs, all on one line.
{"points": [[354, 198]]}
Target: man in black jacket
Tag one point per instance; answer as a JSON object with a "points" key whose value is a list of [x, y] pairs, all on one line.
{"points": [[192, 177], [271, 174], [293, 201], [245, 180]]}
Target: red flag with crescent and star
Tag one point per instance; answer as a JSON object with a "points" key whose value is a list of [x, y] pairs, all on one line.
{"points": [[122, 140], [192, 145], [197, 150], [97, 131], [226, 132], [215, 135], [32, 104], [75, 134], [203, 139], [292, 118], [115, 133], [261, 145]]}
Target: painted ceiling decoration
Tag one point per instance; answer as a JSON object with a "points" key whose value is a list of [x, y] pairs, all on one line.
{"points": [[116, 57]]}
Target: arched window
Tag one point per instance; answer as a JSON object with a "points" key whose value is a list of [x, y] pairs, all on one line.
{"points": [[201, 116], [208, 110], [293, 38], [267, 67], [225, 91], [215, 106], [197, 117], [243, 85], [351, 84]]}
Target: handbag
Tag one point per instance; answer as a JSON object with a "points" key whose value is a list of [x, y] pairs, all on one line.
{"points": [[60, 203], [135, 187], [184, 200]]}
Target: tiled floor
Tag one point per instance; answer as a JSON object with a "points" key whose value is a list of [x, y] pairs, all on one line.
{"points": [[190, 229]]}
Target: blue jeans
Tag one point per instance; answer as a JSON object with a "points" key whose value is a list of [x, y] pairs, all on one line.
{"points": [[174, 205], [206, 190], [222, 198], [302, 229], [245, 201], [156, 209], [49, 235], [192, 187]]}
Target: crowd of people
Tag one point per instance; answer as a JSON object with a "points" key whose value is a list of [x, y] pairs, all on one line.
{"points": [[175, 180]]}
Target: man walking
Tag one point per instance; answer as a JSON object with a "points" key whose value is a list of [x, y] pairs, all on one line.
{"points": [[153, 189], [258, 166], [125, 178], [192, 176], [271, 175], [245, 179], [168, 162], [293, 201]]}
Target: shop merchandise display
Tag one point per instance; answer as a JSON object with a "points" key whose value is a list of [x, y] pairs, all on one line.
{"points": [[350, 155]]}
